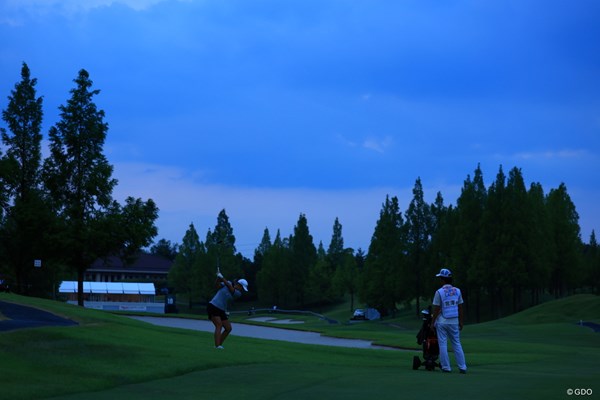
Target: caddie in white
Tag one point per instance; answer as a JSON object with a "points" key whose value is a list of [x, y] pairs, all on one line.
{"points": [[448, 321]]}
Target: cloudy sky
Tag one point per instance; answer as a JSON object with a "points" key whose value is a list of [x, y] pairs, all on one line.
{"points": [[272, 108]]}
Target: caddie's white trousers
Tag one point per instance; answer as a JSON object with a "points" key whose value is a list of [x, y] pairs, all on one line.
{"points": [[445, 332]]}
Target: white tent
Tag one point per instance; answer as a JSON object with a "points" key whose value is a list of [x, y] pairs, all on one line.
{"points": [[109, 288]]}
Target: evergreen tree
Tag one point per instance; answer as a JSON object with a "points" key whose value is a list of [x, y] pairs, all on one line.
{"points": [[335, 251], [418, 224], [592, 259], [539, 257], [4, 176], [347, 275], [323, 285], [220, 246], [259, 256], [519, 218], [79, 181], [165, 248], [566, 241], [220, 254], [262, 249], [3, 207], [382, 285], [320, 282], [304, 258], [29, 221], [468, 228], [24, 119], [274, 280], [443, 233], [336, 257], [493, 244], [182, 275]]}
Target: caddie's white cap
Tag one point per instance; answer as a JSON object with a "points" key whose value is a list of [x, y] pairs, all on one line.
{"points": [[445, 273]]}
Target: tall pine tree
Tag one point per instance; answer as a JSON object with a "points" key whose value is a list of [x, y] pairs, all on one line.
{"points": [[468, 228], [566, 241], [274, 280], [519, 218], [418, 227], [182, 275], [304, 259], [221, 254], [383, 284], [29, 221], [540, 245], [79, 181]]}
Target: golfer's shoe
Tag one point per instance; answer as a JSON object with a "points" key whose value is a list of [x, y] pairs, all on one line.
{"points": [[220, 348], [462, 371]]}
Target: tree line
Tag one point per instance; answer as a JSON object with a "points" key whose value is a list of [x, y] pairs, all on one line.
{"points": [[508, 246], [60, 210]]}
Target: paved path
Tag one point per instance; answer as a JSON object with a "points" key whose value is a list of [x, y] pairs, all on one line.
{"points": [[20, 317], [263, 332]]}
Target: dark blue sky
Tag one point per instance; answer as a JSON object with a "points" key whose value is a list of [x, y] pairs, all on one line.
{"points": [[274, 108]]}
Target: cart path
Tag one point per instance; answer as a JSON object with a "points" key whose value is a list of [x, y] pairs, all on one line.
{"points": [[263, 332]]}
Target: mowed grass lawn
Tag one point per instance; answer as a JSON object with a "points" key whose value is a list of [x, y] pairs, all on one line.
{"points": [[537, 354]]}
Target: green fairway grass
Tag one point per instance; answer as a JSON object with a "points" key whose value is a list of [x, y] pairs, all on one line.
{"points": [[537, 354]]}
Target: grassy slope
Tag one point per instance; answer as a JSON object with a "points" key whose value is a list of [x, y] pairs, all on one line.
{"points": [[539, 353]]}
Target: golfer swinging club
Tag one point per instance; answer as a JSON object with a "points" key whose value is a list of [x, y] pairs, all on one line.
{"points": [[448, 321], [217, 307]]}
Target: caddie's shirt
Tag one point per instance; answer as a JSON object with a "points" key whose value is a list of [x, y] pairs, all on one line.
{"points": [[448, 298], [223, 297]]}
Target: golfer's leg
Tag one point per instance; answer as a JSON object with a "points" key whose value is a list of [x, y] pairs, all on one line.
{"points": [[227, 327], [443, 344], [457, 347], [218, 327]]}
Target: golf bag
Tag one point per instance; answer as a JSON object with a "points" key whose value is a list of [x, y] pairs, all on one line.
{"points": [[428, 338]]}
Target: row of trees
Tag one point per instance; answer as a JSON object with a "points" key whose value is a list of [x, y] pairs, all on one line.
{"points": [[502, 243], [60, 210], [508, 246], [285, 271]]}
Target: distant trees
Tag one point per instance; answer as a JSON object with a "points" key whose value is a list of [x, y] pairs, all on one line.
{"points": [[193, 272], [348, 274], [274, 281], [287, 265], [506, 245], [293, 272], [326, 284], [62, 211], [165, 248]]}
